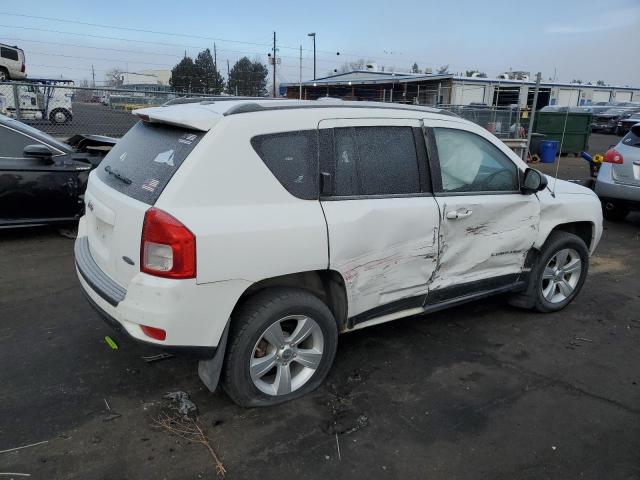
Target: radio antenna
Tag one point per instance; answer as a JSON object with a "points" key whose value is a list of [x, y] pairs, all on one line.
{"points": [[564, 129]]}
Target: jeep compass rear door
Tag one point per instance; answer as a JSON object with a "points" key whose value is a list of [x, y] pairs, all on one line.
{"points": [[382, 218]]}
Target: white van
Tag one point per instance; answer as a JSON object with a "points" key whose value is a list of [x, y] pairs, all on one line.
{"points": [[253, 232], [12, 66]]}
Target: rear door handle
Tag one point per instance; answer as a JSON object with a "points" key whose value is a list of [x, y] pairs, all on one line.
{"points": [[460, 213]]}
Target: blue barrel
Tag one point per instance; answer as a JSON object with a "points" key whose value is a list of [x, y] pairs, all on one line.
{"points": [[549, 150]]}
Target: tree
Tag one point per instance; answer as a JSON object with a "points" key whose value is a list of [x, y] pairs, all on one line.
{"points": [[443, 69], [182, 75], [360, 64], [113, 77], [206, 78], [471, 73], [576, 80], [248, 78], [415, 69], [601, 83], [83, 95]]}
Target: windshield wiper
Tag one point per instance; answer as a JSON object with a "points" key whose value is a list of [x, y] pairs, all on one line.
{"points": [[117, 174]]}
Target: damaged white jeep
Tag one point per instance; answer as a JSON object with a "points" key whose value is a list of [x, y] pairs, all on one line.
{"points": [[253, 232]]}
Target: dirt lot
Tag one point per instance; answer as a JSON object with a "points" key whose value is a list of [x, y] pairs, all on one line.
{"points": [[480, 391]]}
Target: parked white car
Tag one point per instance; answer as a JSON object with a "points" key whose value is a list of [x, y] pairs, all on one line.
{"points": [[12, 66], [254, 231]]}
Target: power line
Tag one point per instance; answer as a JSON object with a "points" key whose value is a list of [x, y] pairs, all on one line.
{"points": [[200, 47], [176, 34], [130, 29]]}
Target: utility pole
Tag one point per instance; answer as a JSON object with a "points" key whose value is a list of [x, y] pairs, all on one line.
{"points": [[532, 117], [93, 75], [300, 95], [274, 65], [313, 34], [215, 67]]}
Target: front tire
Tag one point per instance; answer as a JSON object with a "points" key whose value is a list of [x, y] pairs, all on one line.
{"points": [[282, 344], [558, 274]]}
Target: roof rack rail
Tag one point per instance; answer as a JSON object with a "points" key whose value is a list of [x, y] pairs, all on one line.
{"points": [[212, 99], [256, 107]]}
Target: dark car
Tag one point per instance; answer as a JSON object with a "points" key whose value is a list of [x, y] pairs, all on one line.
{"points": [[42, 180], [626, 122], [607, 121]]}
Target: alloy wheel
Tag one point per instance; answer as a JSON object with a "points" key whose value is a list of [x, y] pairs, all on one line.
{"points": [[561, 275], [286, 355]]}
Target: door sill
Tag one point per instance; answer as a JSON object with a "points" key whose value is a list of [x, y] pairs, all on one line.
{"points": [[368, 321]]}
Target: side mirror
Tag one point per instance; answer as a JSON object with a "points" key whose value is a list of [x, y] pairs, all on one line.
{"points": [[533, 181], [38, 151]]}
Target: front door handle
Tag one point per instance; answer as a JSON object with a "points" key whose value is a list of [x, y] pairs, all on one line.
{"points": [[460, 213]]}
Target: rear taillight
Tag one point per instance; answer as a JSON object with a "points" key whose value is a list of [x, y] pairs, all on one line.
{"points": [[613, 156], [23, 68], [167, 247]]}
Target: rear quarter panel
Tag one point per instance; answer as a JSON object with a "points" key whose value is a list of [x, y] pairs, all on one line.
{"points": [[247, 225]]}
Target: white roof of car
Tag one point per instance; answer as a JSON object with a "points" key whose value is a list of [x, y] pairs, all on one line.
{"points": [[203, 114]]}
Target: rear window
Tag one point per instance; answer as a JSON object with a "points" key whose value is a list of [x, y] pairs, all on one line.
{"points": [[9, 53], [142, 163], [632, 139]]}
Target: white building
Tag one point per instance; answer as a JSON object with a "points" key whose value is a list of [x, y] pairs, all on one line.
{"points": [[147, 77]]}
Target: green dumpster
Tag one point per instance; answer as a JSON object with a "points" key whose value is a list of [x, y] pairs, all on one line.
{"points": [[576, 134]]}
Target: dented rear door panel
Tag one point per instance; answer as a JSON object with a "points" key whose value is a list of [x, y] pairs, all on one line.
{"points": [[386, 246]]}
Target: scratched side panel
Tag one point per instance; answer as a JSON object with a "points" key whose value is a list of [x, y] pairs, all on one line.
{"points": [[385, 249], [492, 241]]}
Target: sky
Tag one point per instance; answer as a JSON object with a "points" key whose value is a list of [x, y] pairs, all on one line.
{"points": [[565, 39]]}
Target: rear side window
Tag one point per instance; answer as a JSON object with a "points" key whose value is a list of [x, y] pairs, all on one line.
{"points": [[373, 161], [144, 160], [292, 157], [9, 53]]}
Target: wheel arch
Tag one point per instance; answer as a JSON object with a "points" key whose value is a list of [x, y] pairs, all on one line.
{"points": [[585, 230], [327, 285]]}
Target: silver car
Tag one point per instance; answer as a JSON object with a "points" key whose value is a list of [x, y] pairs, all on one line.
{"points": [[618, 182]]}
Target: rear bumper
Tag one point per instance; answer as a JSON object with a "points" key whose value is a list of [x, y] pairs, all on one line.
{"points": [[193, 316], [607, 188], [199, 352]]}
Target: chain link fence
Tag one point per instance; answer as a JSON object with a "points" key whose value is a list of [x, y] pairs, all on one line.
{"points": [[61, 109]]}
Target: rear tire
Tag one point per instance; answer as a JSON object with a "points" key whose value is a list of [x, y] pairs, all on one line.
{"points": [[282, 344], [614, 211], [558, 274]]}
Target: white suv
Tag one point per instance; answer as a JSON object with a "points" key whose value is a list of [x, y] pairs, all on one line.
{"points": [[11, 63], [252, 232]]}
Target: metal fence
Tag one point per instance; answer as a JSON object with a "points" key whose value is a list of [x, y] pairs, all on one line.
{"points": [[504, 122], [61, 109]]}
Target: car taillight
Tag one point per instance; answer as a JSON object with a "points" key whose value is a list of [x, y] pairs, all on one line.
{"points": [[613, 156], [167, 247], [23, 68]]}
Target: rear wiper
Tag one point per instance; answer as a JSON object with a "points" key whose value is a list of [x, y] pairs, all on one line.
{"points": [[117, 174]]}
